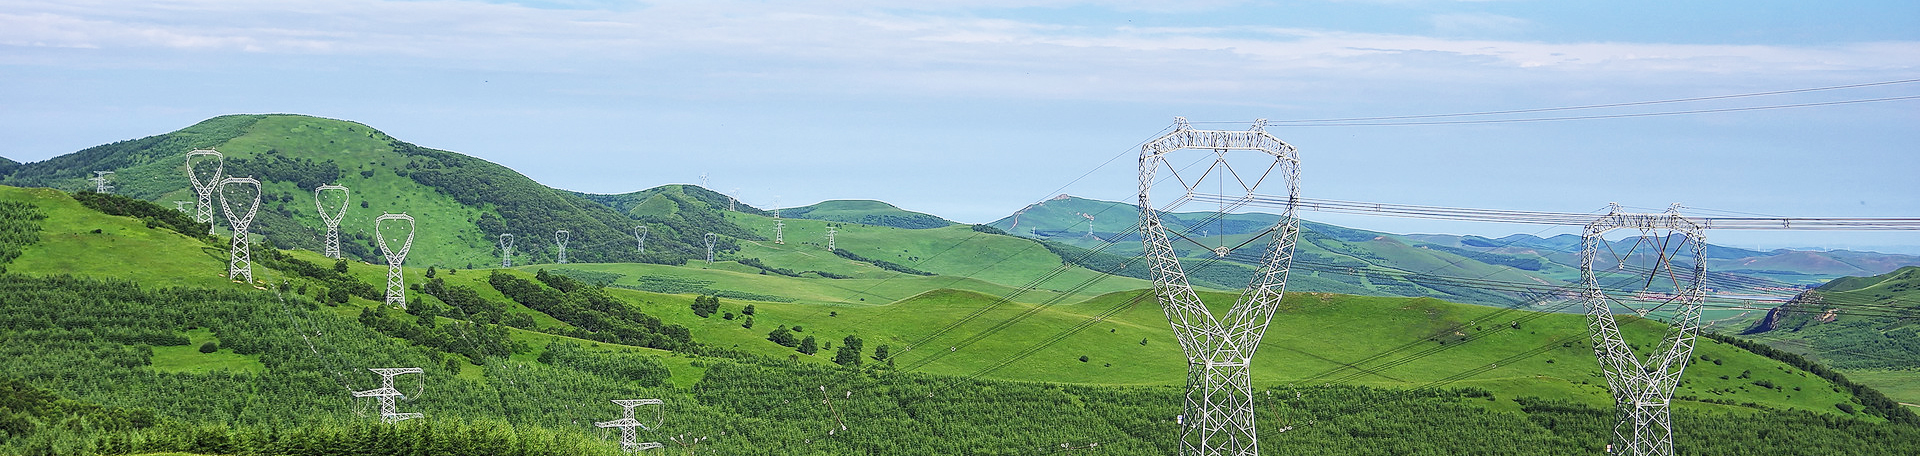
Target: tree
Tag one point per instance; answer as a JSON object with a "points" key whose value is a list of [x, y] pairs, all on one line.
{"points": [[748, 310], [749, 323], [340, 265], [784, 337], [809, 345], [209, 347], [849, 354], [880, 352]]}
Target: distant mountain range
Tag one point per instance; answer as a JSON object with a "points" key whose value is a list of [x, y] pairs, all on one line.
{"points": [[1344, 260]]}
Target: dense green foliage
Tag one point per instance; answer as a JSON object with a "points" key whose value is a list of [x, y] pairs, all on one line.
{"points": [[7, 166], [19, 228], [882, 264], [594, 314], [153, 214], [304, 173]]}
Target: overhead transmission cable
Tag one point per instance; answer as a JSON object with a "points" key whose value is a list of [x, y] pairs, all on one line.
{"points": [[1593, 106]]}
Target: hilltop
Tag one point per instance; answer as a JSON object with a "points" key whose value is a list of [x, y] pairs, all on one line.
{"points": [[866, 212]]}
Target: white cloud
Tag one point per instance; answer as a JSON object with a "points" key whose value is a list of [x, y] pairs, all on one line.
{"points": [[1477, 23], [926, 48]]}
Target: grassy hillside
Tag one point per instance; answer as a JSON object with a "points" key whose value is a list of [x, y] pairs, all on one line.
{"points": [[865, 212], [285, 359], [1856, 324], [461, 203]]}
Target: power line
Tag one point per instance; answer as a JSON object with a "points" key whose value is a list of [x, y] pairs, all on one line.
{"points": [[1594, 106]]}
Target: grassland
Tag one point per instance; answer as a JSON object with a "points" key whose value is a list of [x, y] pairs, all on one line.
{"points": [[947, 324]]}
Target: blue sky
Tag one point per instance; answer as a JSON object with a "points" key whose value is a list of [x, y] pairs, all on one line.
{"points": [[971, 110]]}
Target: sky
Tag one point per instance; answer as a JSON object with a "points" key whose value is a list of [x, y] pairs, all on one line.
{"points": [[973, 110]]}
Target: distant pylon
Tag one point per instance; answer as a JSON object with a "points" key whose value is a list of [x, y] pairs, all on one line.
{"points": [[331, 219], [640, 234], [629, 439], [506, 250], [182, 206], [240, 255], [560, 238], [100, 182], [779, 226], [830, 232], [396, 284], [710, 240], [733, 199], [204, 186], [1643, 389], [389, 412]]}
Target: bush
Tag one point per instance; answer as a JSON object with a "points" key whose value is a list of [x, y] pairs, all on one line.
{"points": [[209, 347]]}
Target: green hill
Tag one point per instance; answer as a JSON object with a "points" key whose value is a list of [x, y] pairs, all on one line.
{"points": [[1856, 324], [7, 166], [1005, 373], [865, 212], [461, 203]]}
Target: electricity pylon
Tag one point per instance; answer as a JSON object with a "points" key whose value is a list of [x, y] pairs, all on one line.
{"points": [[396, 284], [1218, 418], [204, 186], [733, 199], [506, 250], [240, 255], [629, 438], [779, 226], [182, 206], [389, 413], [560, 238], [640, 234], [710, 240], [830, 232], [1643, 388], [100, 182], [331, 219]]}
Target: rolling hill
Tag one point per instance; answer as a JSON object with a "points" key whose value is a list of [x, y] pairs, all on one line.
{"points": [[89, 320], [1855, 324], [865, 212]]}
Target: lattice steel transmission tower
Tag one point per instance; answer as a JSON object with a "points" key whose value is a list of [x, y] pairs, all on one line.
{"points": [[385, 394], [733, 199], [1218, 418], [1643, 387], [711, 238], [332, 219], [396, 284], [640, 234], [779, 226], [560, 237], [100, 182], [204, 186], [182, 206], [240, 253], [830, 233], [629, 438], [506, 250]]}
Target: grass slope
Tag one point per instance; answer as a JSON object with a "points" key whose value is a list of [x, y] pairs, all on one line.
{"points": [[944, 325], [1847, 324]]}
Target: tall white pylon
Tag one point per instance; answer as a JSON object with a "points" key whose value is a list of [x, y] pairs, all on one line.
{"points": [[1218, 418], [560, 238], [779, 226], [204, 186], [640, 234], [1643, 388], [629, 439], [240, 255], [506, 250], [182, 206], [711, 238], [733, 199], [389, 412], [100, 182], [396, 284], [332, 219], [830, 232]]}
